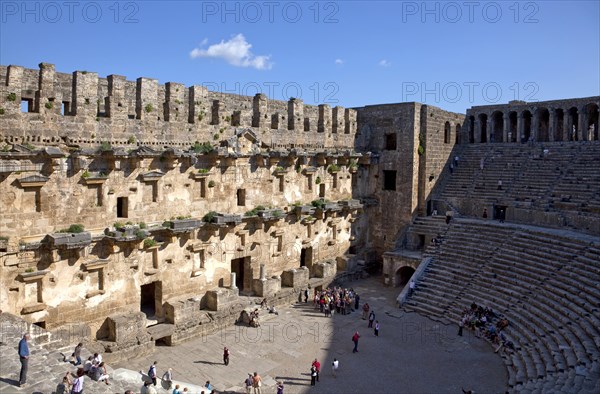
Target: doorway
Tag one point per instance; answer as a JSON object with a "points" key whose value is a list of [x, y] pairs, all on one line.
{"points": [[151, 299], [306, 257], [243, 274]]}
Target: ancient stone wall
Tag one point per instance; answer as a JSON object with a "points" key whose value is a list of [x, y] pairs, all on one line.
{"points": [[83, 109], [409, 144], [122, 196]]}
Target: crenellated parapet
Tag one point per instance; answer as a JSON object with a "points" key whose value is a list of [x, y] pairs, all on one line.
{"points": [[45, 106]]}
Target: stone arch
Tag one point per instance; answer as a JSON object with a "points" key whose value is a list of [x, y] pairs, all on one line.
{"points": [[573, 124], [457, 137], [447, 132], [543, 124], [513, 132], [592, 125], [559, 120], [471, 127], [483, 127], [497, 126], [403, 275], [526, 126]]}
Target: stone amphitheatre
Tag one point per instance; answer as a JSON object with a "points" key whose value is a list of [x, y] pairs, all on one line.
{"points": [[136, 214]]}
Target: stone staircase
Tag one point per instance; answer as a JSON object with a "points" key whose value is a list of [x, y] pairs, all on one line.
{"points": [[564, 182], [544, 281]]}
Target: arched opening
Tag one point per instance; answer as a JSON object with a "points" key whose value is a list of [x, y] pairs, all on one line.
{"points": [[512, 128], [526, 126], [573, 124], [558, 125], [483, 127], [592, 122], [543, 116], [447, 132], [403, 275], [457, 138], [471, 129], [497, 127]]}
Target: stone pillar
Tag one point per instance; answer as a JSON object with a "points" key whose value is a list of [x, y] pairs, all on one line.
{"points": [[198, 105], [582, 130], [477, 131], [534, 126], [324, 124], [551, 124], [295, 114], [115, 102], [566, 129], [175, 111], [259, 110], [46, 96], [505, 127], [262, 272], [490, 129], [146, 104], [350, 121], [232, 281], [520, 127], [85, 95], [338, 119]]}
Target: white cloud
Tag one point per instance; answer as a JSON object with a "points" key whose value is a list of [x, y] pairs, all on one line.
{"points": [[339, 61], [236, 52], [384, 63]]}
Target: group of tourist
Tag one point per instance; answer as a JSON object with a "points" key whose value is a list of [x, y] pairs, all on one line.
{"points": [[336, 300], [481, 321]]}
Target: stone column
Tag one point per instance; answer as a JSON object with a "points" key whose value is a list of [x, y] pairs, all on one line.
{"points": [[534, 126], [506, 127], [582, 129], [520, 127], [232, 279], [477, 131], [551, 124], [490, 129], [566, 129], [262, 272]]}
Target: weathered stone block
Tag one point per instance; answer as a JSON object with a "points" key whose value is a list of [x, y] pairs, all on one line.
{"points": [[219, 299], [297, 277], [325, 269], [266, 287]]}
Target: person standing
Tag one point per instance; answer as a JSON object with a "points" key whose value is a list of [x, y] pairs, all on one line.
{"points": [[334, 367], [305, 296], [167, 378], [152, 373], [365, 311], [24, 358], [356, 301], [78, 382], [279, 387], [355, 338], [256, 383], [376, 331], [371, 319], [313, 375], [249, 382], [77, 354], [317, 366], [225, 356], [411, 287]]}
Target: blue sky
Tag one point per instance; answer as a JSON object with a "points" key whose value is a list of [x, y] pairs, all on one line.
{"points": [[450, 54]]}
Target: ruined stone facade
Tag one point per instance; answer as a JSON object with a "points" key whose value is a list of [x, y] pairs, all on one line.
{"points": [[187, 199], [153, 212]]}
